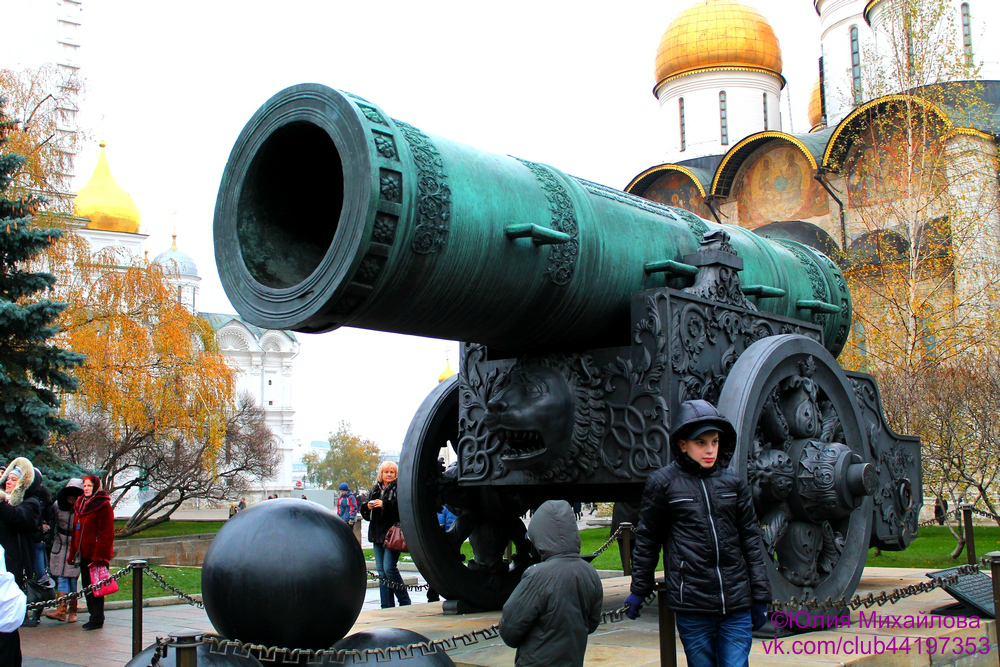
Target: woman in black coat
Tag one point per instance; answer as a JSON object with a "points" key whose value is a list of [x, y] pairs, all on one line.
{"points": [[382, 512]]}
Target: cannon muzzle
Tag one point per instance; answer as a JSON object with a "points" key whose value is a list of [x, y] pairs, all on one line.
{"points": [[331, 213]]}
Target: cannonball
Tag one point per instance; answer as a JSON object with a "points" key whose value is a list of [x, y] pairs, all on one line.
{"points": [[386, 637], [285, 572], [205, 658]]}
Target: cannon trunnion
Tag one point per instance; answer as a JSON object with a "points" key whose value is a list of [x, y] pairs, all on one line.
{"points": [[589, 315]]}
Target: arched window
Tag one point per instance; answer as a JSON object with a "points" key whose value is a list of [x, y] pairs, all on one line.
{"points": [[855, 65], [967, 33], [765, 111], [723, 118], [680, 108]]}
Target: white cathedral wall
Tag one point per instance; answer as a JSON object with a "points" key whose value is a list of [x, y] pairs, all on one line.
{"points": [[100, 239], [983, 13], [837, 17], [266, 374], [745, 92]]}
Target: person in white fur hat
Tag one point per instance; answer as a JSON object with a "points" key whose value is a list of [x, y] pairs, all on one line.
{"points": [[20, 510]]}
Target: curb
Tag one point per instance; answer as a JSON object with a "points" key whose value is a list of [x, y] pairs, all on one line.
{"points": [[149, 602]]}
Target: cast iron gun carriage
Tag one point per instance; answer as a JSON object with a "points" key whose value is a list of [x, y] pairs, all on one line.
{"points": [[588, 316]]}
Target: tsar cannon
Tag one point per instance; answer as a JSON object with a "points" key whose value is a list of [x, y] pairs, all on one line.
{"points": [[587, 316]]}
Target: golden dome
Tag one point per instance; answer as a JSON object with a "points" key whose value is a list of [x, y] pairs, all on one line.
{"points": [[717, 34], [447, 372], [103, 202], [815, 108]]}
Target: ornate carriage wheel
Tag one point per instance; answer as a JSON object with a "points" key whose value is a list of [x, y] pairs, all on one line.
{"points": [[434, 552], [808, 462]]}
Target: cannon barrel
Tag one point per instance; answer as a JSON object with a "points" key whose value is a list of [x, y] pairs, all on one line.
{"points": [[331, 213]]}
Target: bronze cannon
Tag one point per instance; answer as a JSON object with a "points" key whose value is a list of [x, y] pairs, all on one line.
{"points": [[586, 314]]}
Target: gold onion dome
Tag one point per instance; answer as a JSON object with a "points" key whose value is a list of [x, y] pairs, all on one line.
{"points": [[815, 107], [717, 34], [447, 372], [103, 202]]}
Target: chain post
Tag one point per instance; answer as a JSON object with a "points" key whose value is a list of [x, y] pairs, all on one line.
{"points": [[137, 567], [626, 529], [970, 538], [186, 649], [668, 638]]}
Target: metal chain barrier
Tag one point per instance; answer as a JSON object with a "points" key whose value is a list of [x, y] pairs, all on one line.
{"points": [[375, 576], [82, 592], [933, 520], [611, 540], [871, 599], [161, 650], [220, 645], [162, 583], [956, 513]]}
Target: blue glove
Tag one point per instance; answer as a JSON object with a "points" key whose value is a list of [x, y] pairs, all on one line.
{"points": [[633, 603], [758, 615]]}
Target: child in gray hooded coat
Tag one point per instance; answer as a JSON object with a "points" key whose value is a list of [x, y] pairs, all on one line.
{"points": [[558, 602]]}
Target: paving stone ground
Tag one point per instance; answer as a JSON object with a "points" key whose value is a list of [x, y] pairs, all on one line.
{"points": [[634, 643]]}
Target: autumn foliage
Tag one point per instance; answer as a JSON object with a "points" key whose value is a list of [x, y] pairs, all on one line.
{"points": [[152, 367], [351, 459]]}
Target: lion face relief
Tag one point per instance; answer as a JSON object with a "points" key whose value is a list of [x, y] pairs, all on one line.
{"points": [[549, 422], [532, 415]]}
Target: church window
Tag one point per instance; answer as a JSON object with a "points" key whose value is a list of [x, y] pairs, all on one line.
{"points": [[269, 383], [967, 33], [723, 119], [765, 111], [855, 64], [680, 108]]}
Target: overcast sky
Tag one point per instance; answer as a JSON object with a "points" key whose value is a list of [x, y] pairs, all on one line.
{"points": [[171, 84]]}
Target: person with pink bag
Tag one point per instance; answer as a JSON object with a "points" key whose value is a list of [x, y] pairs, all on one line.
{"points": [[93, 542]]}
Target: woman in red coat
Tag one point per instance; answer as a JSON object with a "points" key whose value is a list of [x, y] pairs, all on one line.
{"points": [[93, 540]]}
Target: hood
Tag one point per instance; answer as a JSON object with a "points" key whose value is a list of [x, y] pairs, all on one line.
{"points": [[553, 530], [690, 416], [26, 485], [69, 493]]}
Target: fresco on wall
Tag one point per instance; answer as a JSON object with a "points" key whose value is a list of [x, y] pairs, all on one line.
{"points": [[778, 184], [877, 168], [675, 188]]}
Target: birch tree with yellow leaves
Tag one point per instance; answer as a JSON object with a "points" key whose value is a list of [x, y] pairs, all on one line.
{"points": [[920, 165], [156, 403]]}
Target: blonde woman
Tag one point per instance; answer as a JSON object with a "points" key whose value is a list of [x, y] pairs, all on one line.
{"points": [[382, 511]]}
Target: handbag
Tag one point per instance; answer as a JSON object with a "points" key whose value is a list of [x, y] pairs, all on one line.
{"points": [[99, 574], [394, 539], [40, 590]]}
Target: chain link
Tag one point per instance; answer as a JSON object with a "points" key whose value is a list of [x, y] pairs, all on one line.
{"points": [[161, 650], [162, 583], [956, 513], [871, 599], [82, 592], [395, 585], [611, 540]]}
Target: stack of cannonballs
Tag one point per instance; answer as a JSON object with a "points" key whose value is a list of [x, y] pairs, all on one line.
{"points": [[289, 573]]}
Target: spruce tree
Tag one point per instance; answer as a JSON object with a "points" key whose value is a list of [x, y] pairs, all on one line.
{"points": [[33, 370]]}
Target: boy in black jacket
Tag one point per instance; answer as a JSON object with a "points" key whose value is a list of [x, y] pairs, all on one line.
{"points": [[703, 512]]}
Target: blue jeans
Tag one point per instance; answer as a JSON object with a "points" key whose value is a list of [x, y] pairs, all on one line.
{"points": [[385, 564], [41, 562], [66, 584], [716, 641]]}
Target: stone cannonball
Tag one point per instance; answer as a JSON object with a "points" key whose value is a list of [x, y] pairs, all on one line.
{"points": [[286, 573], [386, 637]]}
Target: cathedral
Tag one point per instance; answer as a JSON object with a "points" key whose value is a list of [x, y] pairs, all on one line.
{"points": [[106, 216], [718, 80]]}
